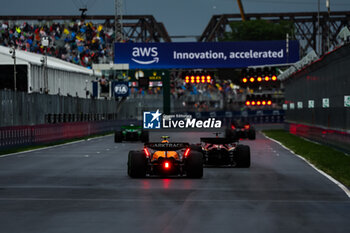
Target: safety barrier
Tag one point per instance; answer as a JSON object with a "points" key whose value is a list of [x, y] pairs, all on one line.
{"points": [[319, 93], [335, 138], [19, 108], [17, 136]]}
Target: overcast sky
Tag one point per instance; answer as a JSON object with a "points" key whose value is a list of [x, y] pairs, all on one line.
{"points": [[180, 17]]}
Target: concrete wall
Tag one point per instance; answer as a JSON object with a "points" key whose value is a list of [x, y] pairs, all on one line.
{"points": [[327, 78], [20, 108], [17, 136]]}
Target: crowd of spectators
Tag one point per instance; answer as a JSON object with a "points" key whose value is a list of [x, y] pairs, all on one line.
{"points": [[85, 43], [207, 96], [80, 42], [215, 88]]}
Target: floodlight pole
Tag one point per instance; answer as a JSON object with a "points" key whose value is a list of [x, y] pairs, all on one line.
{"points": [[45, 44], [318, 31], [328, 5], [14, 68], [44, 63], [166, 92], [287, 47]]}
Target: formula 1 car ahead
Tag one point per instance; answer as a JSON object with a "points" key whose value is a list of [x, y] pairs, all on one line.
{"points": [[131, 133], [238, 130], [223, 151], [165, 159]]}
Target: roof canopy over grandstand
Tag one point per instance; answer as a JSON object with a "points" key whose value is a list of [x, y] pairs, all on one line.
{"points": [[57, 76], [36, 59]]}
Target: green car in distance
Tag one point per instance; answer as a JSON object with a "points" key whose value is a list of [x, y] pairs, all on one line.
{"points": [[131, 133]]}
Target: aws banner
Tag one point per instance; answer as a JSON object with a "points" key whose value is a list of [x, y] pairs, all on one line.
{"points": [[205, 54]]}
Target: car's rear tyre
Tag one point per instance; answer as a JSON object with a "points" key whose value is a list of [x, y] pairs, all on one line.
{"points": [[118, 136], [194, 165], [144, 136], [243, 156], [195, 147], [137, 164], [229, 133], [251, 134]]}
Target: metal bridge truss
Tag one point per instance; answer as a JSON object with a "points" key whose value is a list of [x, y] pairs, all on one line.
{"points": [[144, 28], [306, 27]]}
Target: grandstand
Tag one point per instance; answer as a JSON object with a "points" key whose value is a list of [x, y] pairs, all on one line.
{"points": [[82, 43], [75, 41]]}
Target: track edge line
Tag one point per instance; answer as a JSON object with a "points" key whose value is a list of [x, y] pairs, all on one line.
{"points": [[49, 147], [339, 184]]}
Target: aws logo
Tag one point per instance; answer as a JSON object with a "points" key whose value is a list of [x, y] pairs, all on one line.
{"points": [[145, 56]]}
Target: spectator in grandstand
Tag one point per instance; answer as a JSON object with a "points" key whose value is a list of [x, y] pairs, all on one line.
{"points": [[77, 42]]}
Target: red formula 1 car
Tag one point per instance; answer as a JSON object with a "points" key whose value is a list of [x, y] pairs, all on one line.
{"points": [[165, 159], [239, 130], [223, 151]]}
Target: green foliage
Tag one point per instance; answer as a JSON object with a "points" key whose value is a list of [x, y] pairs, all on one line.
{"points": [[258, 30], [329, 160]]}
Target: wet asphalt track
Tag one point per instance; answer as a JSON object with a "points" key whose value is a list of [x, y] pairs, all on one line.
{"points": [[83, 188]]}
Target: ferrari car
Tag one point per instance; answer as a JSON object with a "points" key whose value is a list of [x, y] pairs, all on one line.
{"points": [[223, 151], [131, 133], [239, 130], [165, 159]]}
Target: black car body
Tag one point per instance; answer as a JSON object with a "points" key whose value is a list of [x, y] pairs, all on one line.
{"points": [[240, 130]]}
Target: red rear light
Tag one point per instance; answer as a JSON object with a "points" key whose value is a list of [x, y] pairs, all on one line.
{"points": [[247, 126], [166, 165], [208, 79], [187, 151], [233, 127], [146, 152]]}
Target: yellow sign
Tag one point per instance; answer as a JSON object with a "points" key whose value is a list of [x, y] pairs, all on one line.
{"points": [[155, 77]]}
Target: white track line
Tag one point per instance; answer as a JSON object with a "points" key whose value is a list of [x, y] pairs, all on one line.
{"points": [[49, 147], [206, 201], [340, 185]]}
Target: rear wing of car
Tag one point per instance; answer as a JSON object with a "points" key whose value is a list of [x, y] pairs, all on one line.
{"points": [[219, 140], [173, 146], [131, 127]]}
